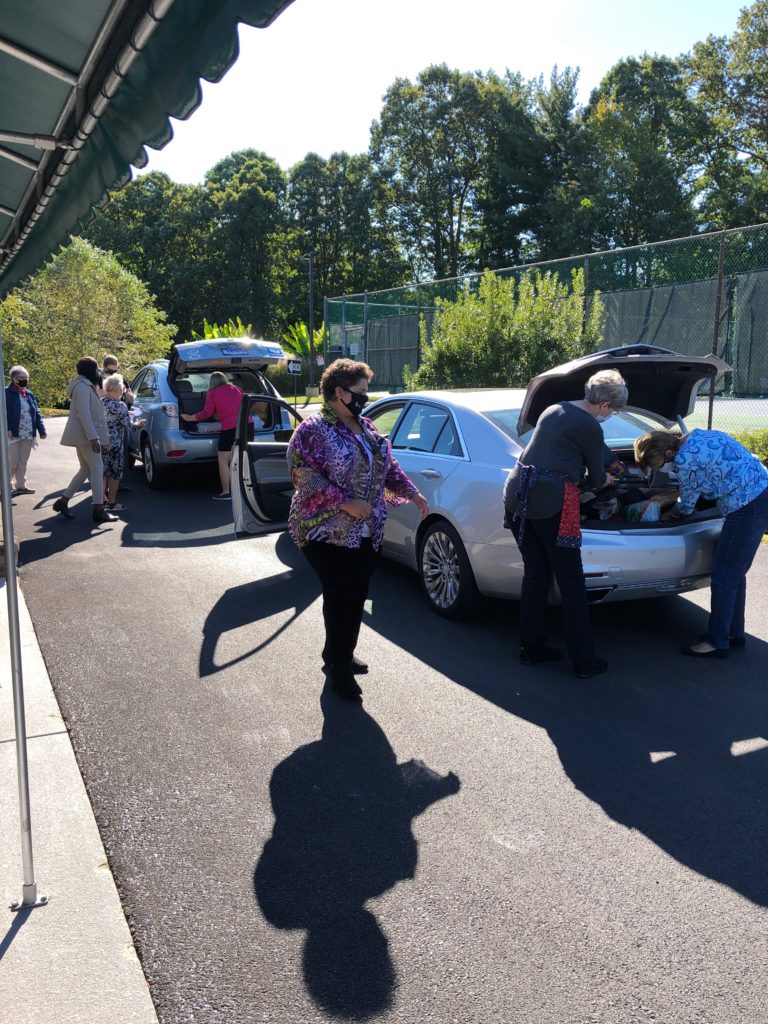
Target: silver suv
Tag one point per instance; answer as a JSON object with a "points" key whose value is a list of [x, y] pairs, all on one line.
{"points": [[167, 387]]}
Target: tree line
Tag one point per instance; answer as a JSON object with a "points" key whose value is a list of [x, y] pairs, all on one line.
{"points": [[465, 171]]}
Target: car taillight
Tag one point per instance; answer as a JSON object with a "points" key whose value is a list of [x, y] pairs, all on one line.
{"points": [[176, 454], [170, 409]]}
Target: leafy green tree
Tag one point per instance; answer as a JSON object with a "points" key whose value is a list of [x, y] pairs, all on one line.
{"points": [[333, 210], [511, 182], [83, 302], [247, 191], [428, 148], [506, 331], [727, 82], [640, 187], [162, 232]]}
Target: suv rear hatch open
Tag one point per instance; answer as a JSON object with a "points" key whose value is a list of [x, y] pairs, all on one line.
{"points": [[243, 360]]}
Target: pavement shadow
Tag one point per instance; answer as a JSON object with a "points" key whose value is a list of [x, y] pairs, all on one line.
{"points": [[19, 920], [295, 589], [672, 747], [343, 835]]}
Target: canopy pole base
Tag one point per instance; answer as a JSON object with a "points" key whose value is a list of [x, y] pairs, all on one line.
{"points": [[30, 898]]}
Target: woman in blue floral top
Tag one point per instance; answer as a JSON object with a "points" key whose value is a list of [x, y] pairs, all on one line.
{"points": [[713, 465], [118, 424], [344, 475]]}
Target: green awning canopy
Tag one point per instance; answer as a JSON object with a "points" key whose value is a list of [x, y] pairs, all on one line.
{"points": [[84, 86]]}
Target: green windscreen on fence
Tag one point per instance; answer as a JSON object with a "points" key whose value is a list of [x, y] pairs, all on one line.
{"points": [[696, 295]]}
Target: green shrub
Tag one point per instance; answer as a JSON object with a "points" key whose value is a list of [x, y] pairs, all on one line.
{"points": [[507, 332], [757, 442]]}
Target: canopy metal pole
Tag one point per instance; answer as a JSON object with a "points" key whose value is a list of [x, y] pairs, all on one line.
{"points": [[30, 896]]}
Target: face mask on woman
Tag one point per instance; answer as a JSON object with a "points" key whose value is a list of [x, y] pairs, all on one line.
{"points": [[356, 404]]}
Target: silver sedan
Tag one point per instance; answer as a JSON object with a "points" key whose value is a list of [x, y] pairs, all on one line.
{"points": [[459, 446]]}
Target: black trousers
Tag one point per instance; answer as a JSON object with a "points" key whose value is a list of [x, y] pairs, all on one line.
{"points": [[345, 574], [542, 559]]}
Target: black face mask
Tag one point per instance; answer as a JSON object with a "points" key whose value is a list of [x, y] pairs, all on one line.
{"points": [[357, 403]]}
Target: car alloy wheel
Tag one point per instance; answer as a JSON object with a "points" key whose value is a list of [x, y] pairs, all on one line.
{"points": [[446, 574]]}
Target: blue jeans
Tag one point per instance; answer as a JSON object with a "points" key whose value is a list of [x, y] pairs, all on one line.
{"points": [[736, 549]]}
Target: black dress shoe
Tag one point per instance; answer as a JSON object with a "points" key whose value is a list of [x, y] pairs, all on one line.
{"points": [[538, 655], [344, 682], [60, 506], [100, 515], [717, 652], [359, 667], [588, 669]]}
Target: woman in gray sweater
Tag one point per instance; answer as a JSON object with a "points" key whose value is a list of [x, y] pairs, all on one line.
{"points": [[542, 502]]}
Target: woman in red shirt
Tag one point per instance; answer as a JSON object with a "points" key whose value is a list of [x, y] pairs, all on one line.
{"points": [[223, 402]]}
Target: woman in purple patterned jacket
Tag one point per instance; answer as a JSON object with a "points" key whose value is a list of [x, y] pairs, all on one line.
{"points": [[344, 475]]}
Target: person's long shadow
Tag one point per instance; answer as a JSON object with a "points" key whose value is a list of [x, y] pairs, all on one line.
{"points": [[343, 835]]}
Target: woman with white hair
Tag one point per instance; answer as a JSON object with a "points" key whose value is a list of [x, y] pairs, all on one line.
{"points": [[223, 402], [542, 503], [118, 425], [24, 422]]}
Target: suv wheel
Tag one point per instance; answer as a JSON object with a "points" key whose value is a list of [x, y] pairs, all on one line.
{"points": [[155, 477], [445, 572]]}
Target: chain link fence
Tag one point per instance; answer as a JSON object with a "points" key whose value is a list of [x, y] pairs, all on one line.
{"points": [[696, 295]]}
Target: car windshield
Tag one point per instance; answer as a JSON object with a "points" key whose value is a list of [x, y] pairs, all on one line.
{"points": [[621, 429]]}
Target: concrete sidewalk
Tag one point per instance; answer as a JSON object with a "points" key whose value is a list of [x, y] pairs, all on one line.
{"points": [[72, 960]]}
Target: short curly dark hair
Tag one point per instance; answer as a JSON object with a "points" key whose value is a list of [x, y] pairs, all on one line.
{"points": [[341, 374]]}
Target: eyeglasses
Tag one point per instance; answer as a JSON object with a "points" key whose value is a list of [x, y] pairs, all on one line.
{"points": [[363, 394]]}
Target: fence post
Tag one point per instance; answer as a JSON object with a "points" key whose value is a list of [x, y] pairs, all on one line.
{"points": [[585, 311], [716, 333], [364, 339], [326, 330], [343, 325]]}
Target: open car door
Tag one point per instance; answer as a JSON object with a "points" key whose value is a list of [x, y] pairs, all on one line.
{"points": [[261, 483]]}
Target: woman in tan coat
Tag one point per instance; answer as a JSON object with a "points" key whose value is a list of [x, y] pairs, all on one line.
{"points": [[86, 431]]}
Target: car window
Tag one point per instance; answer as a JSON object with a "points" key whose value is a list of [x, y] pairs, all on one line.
{"points": [[386, 417], [448, 442], [505, 420], [420, 428], [148, 387], [136, 383]]}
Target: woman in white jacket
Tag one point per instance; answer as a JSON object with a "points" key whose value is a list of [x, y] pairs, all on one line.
{"points": [[86, 431]]}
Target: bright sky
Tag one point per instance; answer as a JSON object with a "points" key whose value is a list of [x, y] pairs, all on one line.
{"points": [[314, 80]]}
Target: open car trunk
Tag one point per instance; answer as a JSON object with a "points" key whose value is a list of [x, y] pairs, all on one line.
{"points": [[632, 502], [191, 390]]}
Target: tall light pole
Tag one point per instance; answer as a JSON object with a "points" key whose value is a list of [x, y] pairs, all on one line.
{"points": [[310, 258]]}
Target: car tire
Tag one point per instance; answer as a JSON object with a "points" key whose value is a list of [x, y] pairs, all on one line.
{"points": [[155, 477], [446, 575]]}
